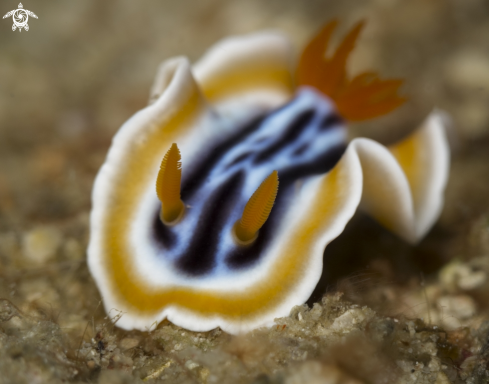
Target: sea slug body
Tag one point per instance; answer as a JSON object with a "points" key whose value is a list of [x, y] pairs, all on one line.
{"points": [[216, 202]]}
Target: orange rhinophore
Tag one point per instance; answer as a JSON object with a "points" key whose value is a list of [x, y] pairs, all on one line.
{"points": [[362, 97], [168, 186], [257, 209]]}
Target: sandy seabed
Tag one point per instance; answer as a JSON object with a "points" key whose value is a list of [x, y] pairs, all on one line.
{"points": [[384, 312]]}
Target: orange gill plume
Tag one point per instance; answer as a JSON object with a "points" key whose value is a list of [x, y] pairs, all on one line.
{"points": [[363, 97], [168, 186], [257, 210]]}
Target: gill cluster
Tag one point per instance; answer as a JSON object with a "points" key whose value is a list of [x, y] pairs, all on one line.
{"points": [[255, 213], [357, 98]]}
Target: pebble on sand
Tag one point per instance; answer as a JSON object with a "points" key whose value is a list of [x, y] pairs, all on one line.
{"points": [[40, 245]]}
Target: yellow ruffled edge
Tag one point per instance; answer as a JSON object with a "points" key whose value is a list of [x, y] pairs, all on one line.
{"points": [[403, 184], [239, 66]]}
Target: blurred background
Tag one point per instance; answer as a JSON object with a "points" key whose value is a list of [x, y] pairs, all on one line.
{"points": [[86, 66]]}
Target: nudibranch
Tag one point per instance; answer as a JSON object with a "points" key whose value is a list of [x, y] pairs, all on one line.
{"points": [[217, 200]]}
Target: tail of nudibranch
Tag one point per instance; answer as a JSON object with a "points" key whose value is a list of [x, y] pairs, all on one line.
{"points": [[362, 97]]}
